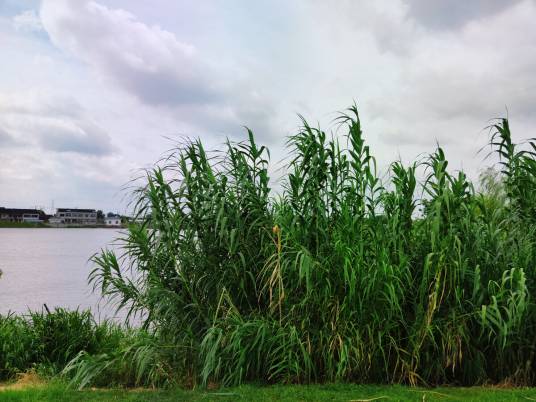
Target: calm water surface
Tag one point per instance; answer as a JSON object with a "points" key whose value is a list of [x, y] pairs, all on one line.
{"points": [[50, 266]]}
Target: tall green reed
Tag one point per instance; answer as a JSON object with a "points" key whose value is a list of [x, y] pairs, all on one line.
{"points": [[342, 276]]}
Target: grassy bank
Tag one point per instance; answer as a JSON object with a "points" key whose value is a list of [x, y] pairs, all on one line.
{"points": [[26, 225], [338, 392]]}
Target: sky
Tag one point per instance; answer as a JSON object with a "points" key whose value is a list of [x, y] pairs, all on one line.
{"points": [[93, 91]]}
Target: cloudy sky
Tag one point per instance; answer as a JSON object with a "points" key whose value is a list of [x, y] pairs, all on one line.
{"points": [[91, 91]]}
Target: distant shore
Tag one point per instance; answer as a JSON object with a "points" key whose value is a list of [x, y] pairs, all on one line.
{"points": [[30, 225]]}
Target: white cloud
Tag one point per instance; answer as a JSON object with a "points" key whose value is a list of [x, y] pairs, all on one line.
{"points": [[439, 85], [154, 66], [52, 124], [51, 149], [439, 14], [27, 21], [146, 61]]}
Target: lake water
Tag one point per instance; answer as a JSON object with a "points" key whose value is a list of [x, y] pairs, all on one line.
{"points": [[50, 266]]}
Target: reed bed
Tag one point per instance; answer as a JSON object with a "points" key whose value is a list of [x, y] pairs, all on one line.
{"points": [[341, 276], [45, 341]]}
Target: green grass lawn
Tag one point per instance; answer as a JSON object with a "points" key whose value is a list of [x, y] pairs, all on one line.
{"points": [[58, 392]]}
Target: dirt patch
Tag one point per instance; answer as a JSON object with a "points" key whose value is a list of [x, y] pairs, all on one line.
{"points": [[24, 380]]}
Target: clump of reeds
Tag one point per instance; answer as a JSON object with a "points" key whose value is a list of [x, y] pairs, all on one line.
{"points": [[47, 340], [339, 277]]}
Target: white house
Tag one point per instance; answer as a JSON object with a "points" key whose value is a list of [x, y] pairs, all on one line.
{"points": [[56, 221], [113, 221], [75, 216], [31, 218]]}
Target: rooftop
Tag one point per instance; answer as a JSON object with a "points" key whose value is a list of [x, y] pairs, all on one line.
{"points": [[20, 211], [76, 210]]}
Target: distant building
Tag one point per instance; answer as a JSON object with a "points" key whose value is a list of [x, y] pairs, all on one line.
{"points": [[74, 216], [113, 221], [55, 221], [22, 215], [31, 217]]}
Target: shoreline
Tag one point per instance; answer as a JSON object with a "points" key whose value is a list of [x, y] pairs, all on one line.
{"points": [[28, 225]]}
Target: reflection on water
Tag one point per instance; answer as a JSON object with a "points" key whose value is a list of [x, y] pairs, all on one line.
{"points": [[50, 266]]}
